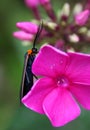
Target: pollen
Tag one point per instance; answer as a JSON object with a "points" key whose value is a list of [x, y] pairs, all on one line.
{"points": [[63, 82]]}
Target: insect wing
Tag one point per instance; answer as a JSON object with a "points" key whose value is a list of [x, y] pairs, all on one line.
{"points": [[28, 82], [23, 76]]}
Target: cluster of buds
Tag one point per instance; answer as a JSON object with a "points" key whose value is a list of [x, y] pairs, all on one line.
{"points": [[66, 30]]}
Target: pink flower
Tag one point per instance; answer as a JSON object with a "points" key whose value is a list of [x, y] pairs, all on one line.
{"points": [[82, 17], [28, 27], [59, 44], [48, 8], [27, 31], [65, 79], [87, 6], [21, 35], [44, 2], [32, 3]]}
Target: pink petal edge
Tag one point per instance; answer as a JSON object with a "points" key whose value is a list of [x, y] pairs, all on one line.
{"points": [[21, 35], [82, 17], [60, 107], [32, 3], [78, 68], [49, 61], [33, 100], [29, 27], [82, 93]]}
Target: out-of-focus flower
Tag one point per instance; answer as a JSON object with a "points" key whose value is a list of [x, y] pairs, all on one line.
{"points": [[87, 6], [59, 44], [77, 8], [44, 2], [58, 26], [65, 10], [49, 9], [82, 17], [65, 79], [28, 27], [32, 3], [74, 38], [27, 31], [21, 35]]}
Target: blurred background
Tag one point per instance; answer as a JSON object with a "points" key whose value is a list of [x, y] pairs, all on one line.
{"points": [[12, 115]]}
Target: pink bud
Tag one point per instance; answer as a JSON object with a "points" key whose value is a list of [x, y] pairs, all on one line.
{"points": [[82, 17], [43, 2], [48, 8], [59, 44], [32, 3], [21, 35], [87, 6], [27, 27]]}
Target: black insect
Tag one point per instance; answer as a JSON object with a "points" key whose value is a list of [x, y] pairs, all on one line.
{"points": [[28, 76]]}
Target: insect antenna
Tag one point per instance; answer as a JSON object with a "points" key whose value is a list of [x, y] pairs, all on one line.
{"points": [[37, 35]]}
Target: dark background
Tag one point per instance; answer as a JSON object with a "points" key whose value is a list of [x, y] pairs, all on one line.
{"points": [[12, 115]]}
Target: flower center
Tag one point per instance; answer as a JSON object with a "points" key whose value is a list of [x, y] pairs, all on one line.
{"points": [[62, 82]]}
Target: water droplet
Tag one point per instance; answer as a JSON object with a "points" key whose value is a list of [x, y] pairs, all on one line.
{"points": [[61, 62], [52, 66]]}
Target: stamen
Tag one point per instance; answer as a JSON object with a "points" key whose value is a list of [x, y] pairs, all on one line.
{"points": [[62, 82]]}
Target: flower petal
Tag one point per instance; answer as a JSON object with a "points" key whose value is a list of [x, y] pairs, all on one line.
{"points": [[32, 3], [82, 94], [28, 27], [79, 68], [82, 17], [60, 107], [33, 100], [49, 61], [21, 35], [44, 2]]}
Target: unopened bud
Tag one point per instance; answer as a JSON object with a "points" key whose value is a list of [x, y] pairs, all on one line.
{"points": [[74, 38], [82, 17]]}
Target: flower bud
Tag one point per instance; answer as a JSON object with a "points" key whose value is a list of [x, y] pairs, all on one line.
{"points": [[43, 2], [21, 35], [74, 38], [27, 27], [82, 17], [32, 3]]}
